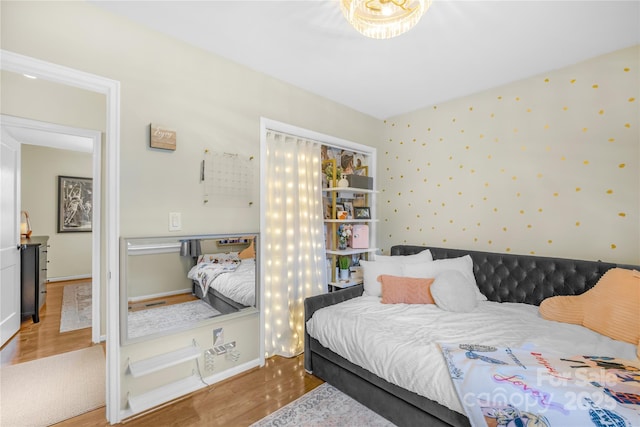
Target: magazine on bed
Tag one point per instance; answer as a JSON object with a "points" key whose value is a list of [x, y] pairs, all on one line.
{"points": [[501, 386]]}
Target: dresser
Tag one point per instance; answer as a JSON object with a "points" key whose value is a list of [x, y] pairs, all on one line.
{"points": [[33, 275]]}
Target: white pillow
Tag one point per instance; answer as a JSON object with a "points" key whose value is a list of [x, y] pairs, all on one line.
{"points": [[453, 291], [370, 272], [424, 256], [434, 268]]}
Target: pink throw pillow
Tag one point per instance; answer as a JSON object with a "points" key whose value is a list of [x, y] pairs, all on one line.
{"points": [[405, 290]]}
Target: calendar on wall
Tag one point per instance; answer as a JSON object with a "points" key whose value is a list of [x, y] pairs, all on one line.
{"points": [[228, 179]]}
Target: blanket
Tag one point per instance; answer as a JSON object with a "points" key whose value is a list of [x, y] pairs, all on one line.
{"points": [[205, 273], [501, 386]]}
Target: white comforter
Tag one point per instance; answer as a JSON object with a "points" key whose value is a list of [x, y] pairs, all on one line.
{"points": [[398, 342], [238, 283]]}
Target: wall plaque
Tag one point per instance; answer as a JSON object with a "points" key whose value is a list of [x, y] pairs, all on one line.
{"points": [[161, 137]]}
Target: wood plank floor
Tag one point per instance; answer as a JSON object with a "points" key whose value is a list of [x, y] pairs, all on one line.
{"points": [[238, 401]]}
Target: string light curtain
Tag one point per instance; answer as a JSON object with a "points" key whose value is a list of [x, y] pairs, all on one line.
{"points": [[295, 264]]}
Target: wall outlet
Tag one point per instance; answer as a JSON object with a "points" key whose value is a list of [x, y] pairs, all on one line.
{"points": [[209, 360]]}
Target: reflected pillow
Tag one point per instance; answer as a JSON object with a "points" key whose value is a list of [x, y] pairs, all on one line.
{"points": [[248, 252], [463, 265], [405, 290], [453, 291], [424, 256], [219, 258], [372, 269]]}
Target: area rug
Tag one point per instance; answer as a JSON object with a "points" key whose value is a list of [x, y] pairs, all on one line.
{"points": [[49, 390], [175, 316], [324, 406], [76, 307]]}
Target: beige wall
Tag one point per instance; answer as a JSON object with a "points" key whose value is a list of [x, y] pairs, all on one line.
{"points": [[547, 165], [69, 254], [211, 102]]}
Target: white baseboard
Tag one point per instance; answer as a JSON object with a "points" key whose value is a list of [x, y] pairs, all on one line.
{"points": [[160, 295], [65, 278]]}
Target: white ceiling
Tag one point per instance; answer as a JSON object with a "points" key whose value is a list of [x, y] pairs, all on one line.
{"points": [[458, 48]]}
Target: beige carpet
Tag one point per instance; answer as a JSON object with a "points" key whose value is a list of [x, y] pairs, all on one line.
{"points": [[46, 391], [324, 406]]}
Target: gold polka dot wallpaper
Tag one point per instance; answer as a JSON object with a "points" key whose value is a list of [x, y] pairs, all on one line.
{"points": [[546, 166]]}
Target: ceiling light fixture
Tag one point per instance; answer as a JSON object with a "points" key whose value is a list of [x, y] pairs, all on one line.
{"points": [[383, 19]]}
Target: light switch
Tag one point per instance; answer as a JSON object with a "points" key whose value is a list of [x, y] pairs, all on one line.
{"points": [[175, 221]]}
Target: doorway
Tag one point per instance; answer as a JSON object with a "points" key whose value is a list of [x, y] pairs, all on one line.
{"points": [[14, 62], [36, 133]]}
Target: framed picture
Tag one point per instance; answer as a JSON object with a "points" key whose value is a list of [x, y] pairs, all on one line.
{"points": [[75, 204], [348, 207], [327, 207], [362, 212]]}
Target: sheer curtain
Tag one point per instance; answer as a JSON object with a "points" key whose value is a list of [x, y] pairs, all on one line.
{"points": [[293, 238]]}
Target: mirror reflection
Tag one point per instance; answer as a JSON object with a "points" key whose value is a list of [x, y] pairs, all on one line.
{"points": [[170, 284]]}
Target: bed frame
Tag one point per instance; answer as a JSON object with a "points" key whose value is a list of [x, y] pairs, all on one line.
{"points": [[217, 300], [501, 277]]}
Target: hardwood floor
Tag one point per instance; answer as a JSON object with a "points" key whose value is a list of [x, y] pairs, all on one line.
{"points": [[42, 339], [238, 401]]}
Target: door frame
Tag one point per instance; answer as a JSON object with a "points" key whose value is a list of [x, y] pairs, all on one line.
{"points": [[14, 62], [27, 131]]}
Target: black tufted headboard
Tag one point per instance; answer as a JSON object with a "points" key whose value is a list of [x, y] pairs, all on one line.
{"points": [[522, 278]]}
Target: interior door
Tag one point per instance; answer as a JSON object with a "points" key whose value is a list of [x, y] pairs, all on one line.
{"points": [[9, 237]]}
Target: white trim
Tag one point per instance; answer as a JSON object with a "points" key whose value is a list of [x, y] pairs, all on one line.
{"points": [[269, 124], [160, 295], [66, 278], [14, 62], [84, 140]]}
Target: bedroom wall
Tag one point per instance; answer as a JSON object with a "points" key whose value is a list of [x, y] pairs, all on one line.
{"points": [[211, 102], [547, 166], [69, 254]]}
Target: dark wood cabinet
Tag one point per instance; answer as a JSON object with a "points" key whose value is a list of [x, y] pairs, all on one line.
{"points": [[33, 275]]}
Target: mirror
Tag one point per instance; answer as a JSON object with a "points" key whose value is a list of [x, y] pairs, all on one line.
{"points": [[172, 284]]}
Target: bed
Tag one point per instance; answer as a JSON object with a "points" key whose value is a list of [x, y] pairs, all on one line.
{"points": [[407, 380], [227, 281]]}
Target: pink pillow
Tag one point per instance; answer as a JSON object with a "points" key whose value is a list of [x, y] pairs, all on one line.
{"points": [[405, 290]]}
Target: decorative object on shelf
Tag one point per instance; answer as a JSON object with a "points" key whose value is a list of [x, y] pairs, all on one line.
{"points": [[342, 215], [383, 19], [343, 183], [25, 225], [328, 171], [362, 212], [161, 137], [348, 207], [344, 233], [75, 204], [360, 181], [359, 236], [344, 262]]}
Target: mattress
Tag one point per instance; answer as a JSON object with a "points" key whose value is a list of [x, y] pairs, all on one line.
{"points": [[399, 342], [238, 284]]}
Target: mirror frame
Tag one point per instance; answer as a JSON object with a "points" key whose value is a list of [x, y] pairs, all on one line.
{"points": [[168, 244]]}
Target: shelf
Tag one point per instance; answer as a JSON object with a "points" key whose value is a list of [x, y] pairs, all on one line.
{"points": [[348, 190], [350, 251], [162, 361], [164, 394], [346, 284], [349, 221]]}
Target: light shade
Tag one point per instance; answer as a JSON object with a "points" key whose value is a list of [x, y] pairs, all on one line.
{"points": [[383, 19], [25, 224]]}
